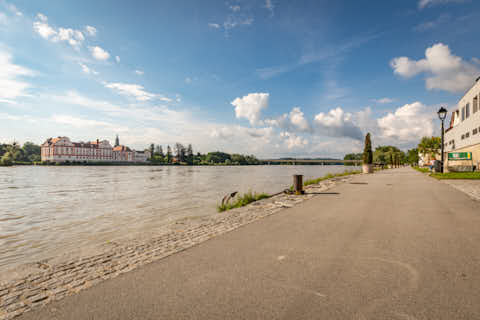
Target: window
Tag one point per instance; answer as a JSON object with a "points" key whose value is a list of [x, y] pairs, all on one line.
{"points": [[467, 134], [467, 110], [463, 136], [475, 104], [475, 131], [463, 113]]}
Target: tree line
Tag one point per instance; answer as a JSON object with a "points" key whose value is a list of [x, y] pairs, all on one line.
{"points": [[181, 154], [389, 155], [14, 153]]}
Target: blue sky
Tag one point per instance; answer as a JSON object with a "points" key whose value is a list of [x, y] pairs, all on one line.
{"points": [[268, 77]]}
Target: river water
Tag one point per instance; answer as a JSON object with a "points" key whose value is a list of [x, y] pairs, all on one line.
{"points": [[51, 211]]}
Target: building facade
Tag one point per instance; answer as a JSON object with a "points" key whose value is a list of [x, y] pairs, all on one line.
{"points": [[61, 149], [463, 134]]}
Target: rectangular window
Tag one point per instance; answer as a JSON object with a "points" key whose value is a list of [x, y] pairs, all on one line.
{"points": [[467, 134], [475, 104], [463, 136], [467, 110], [463, 113], [475, 131]]}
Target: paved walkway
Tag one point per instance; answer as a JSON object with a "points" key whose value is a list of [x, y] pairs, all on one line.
{"points": [[393, 245]]}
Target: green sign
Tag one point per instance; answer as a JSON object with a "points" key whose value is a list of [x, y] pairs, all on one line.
{"points": [[459, 156]]}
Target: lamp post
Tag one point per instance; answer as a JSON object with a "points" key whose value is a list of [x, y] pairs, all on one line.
{"points": [[442, 114]]}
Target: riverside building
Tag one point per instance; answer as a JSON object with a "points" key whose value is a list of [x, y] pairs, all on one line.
{"points": [[462, 138], [61, 149]]}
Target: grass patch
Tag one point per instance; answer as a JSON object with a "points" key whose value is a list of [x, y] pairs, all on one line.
{"points": [[330, 176], [423, 170], [242, 200], [457, 175]]}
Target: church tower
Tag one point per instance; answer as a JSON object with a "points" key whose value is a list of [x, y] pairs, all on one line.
{"points": [[117, 141]]}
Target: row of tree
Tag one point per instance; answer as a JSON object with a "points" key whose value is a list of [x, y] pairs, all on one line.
{"points": [[388, 155], [15, 153], [185, 155], [391, 155]]}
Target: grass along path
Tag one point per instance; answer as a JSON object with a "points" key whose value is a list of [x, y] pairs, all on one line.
{"points": [[249, 197]]}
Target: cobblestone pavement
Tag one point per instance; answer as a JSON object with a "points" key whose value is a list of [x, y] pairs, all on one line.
{"points": [[59, 280], [470, 187]]}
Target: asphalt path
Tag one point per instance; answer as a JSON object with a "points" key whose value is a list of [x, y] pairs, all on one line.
{"points": [[393, 245]]}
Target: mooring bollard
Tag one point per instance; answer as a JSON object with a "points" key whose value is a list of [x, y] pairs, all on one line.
{"points": [[298, 184]]}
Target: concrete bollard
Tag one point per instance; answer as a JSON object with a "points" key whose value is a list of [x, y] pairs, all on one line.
{"points": [[298, 184]]}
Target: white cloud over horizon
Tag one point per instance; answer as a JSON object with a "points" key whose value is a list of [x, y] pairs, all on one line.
{"points": [[444, 70], [11, 84], [250, 106]]}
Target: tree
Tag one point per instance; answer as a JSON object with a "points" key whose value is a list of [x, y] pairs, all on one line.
{"points": [[152, 150], [31, 152], [169, 154], [160, 151], [412, 157], [430, 146], [189, 154], [391, 159], [367, 152]]}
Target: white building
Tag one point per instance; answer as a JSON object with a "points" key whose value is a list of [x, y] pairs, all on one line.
{"points": [[61, 149], [463, 134]]}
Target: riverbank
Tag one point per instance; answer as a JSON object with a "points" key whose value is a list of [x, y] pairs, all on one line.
{"points": [[55, 281]]}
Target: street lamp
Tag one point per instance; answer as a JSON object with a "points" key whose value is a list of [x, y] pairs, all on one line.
{"points": [[442, 114]]}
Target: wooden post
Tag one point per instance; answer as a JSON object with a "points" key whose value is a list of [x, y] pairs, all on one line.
{"points": [[298, 184]]}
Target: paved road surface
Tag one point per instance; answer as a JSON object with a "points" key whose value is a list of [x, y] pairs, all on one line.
{"points": [[397, 245]]}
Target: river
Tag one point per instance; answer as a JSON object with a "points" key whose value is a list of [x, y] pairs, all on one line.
{"points": [[51, 211]]}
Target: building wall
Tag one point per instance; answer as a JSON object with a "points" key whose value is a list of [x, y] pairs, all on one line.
{"points": [[62, 150], [464, 136]]}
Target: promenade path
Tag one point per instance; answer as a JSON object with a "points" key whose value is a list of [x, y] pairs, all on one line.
{"points": [[393, 245]]}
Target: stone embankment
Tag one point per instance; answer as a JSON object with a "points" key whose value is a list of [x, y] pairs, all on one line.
{"points": [[59, 280]]}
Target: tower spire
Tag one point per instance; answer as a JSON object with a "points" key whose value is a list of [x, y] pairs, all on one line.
{"points": [[117, 141]]}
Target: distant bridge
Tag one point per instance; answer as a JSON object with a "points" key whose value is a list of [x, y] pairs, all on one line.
{"points": [[301, 161]]}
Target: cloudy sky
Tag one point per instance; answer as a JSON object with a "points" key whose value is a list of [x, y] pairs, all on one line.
{"points": [[267, 77]]}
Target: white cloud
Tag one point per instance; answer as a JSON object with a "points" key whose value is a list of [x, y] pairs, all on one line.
{"points": [[214, 25], [136, 91], [250, 106], [235, 8], [293, 141], [139, 72], [86, 69], [446, 71], [73, 37], [337, 123], [42, 27], [427, 3], [384, 100], [99, 54], [11, 86], [298, 120], [82, 122], [91, 31], [408, 123], [117, 58], [188, 80]]}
